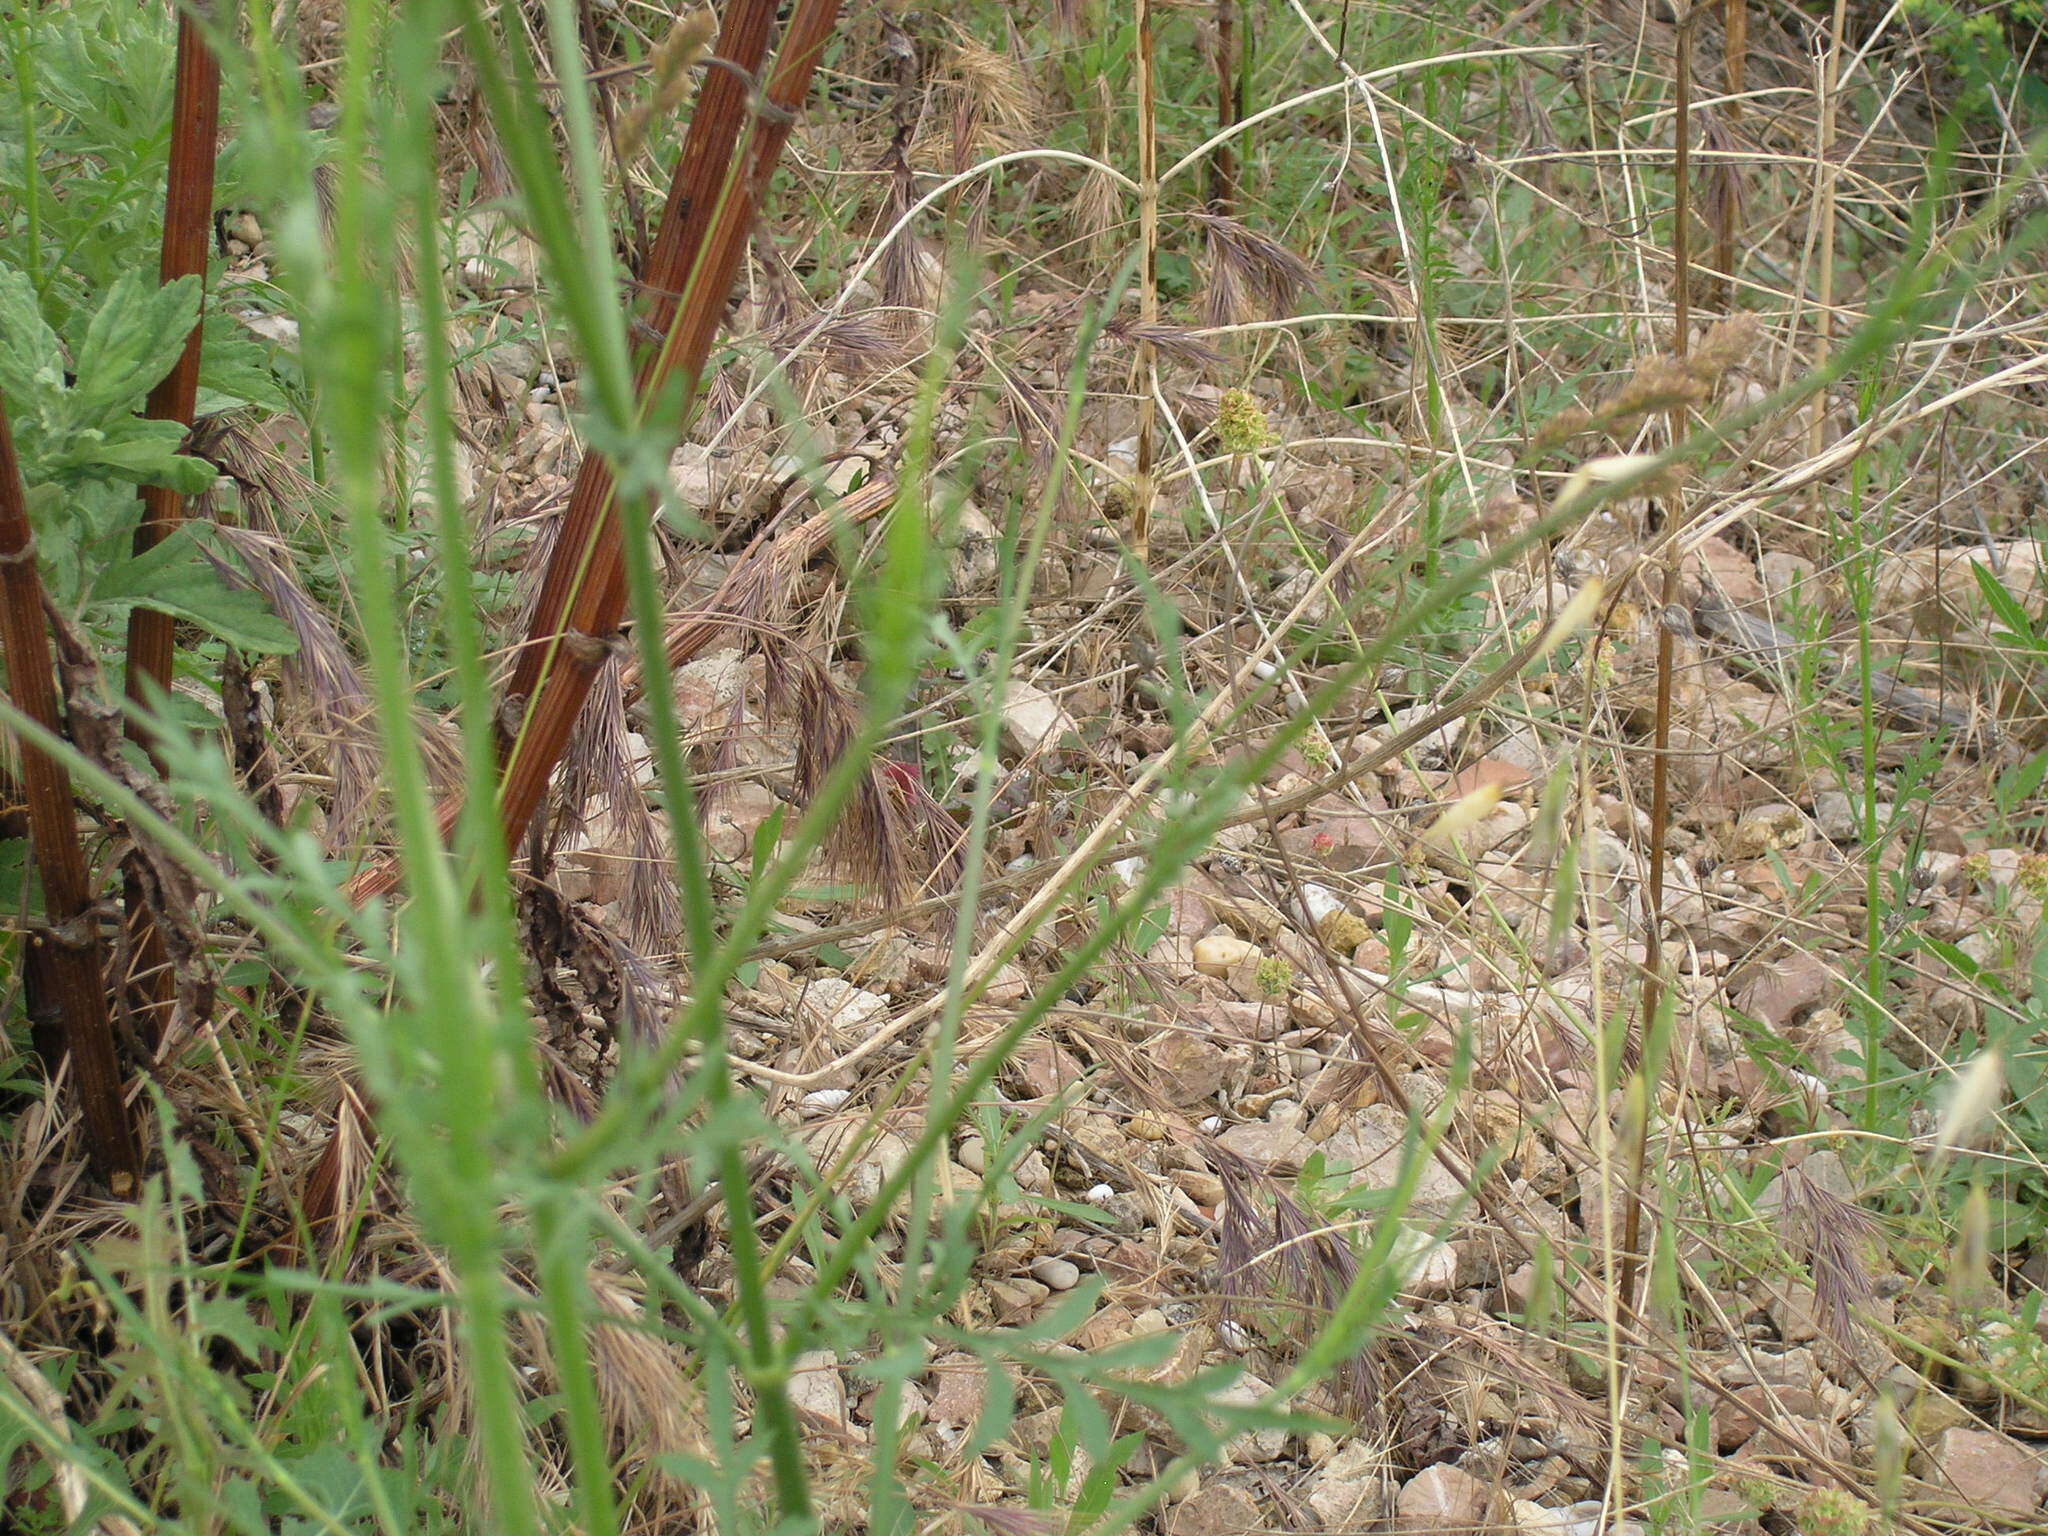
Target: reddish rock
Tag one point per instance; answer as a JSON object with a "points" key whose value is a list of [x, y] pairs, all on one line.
{"points": [[1778, 991], [958, 1386], [1044, 1069], [1736, 1422], [1188, 1069], [1346, 844], [1719, 570], [1989, 1472], [1270, 1146], [1217, 1510], [1443, 1498]]}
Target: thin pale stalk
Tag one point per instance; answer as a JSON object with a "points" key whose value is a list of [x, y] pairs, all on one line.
{"points": [[1824, 278], [1148, 281], [66, 966], [1660, 763]]}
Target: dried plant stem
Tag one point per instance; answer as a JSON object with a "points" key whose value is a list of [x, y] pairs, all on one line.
{"points": [[1660, 763], [598, 585], [1824, 278], [1143, 486], [188, 223], [66, 968], [1734, 53], [700, 183], [703, 236], [1229, 106]]}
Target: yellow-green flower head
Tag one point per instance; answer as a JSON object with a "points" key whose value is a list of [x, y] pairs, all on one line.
{"points": [[1241, 425]]}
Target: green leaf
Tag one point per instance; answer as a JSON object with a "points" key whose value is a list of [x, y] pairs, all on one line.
{"points": [[138, 450], [234, 368], [134, 339], [1100, 1483], [2006, 608], [228, 1319], [31, 361], [176, 578], [1151, 928]]}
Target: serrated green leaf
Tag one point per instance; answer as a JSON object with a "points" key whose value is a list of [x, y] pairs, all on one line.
{"points": [[138, 450], [225, 1317], [176, 578], [31, 360], [234, 369], [134, 339]]}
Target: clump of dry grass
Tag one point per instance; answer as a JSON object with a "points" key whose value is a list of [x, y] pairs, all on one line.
{"points": [[1832, 1234], [685, 46], [650, 1398], [1288, 1254], [1250, 275], [1660, 385]]}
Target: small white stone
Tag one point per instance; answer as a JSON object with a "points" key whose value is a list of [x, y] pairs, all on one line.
{"points": [[1056, 1274], [1217, 954], [1033, 720], [1321, 901], [1101, 1194]]}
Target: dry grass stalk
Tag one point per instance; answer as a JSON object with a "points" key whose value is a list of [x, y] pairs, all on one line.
{"points": [[1099, 202], [1291, 1254], [995, 107], [1831, 1233], [1144, 482], [1659, 385], [1824, 214], [1734, 51], [326, 688], [1251, 276], [1724, 204], [48, 1406], [66, 969], [1660, 763], [891, 812], [650, 1400], [337, 1182]]}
